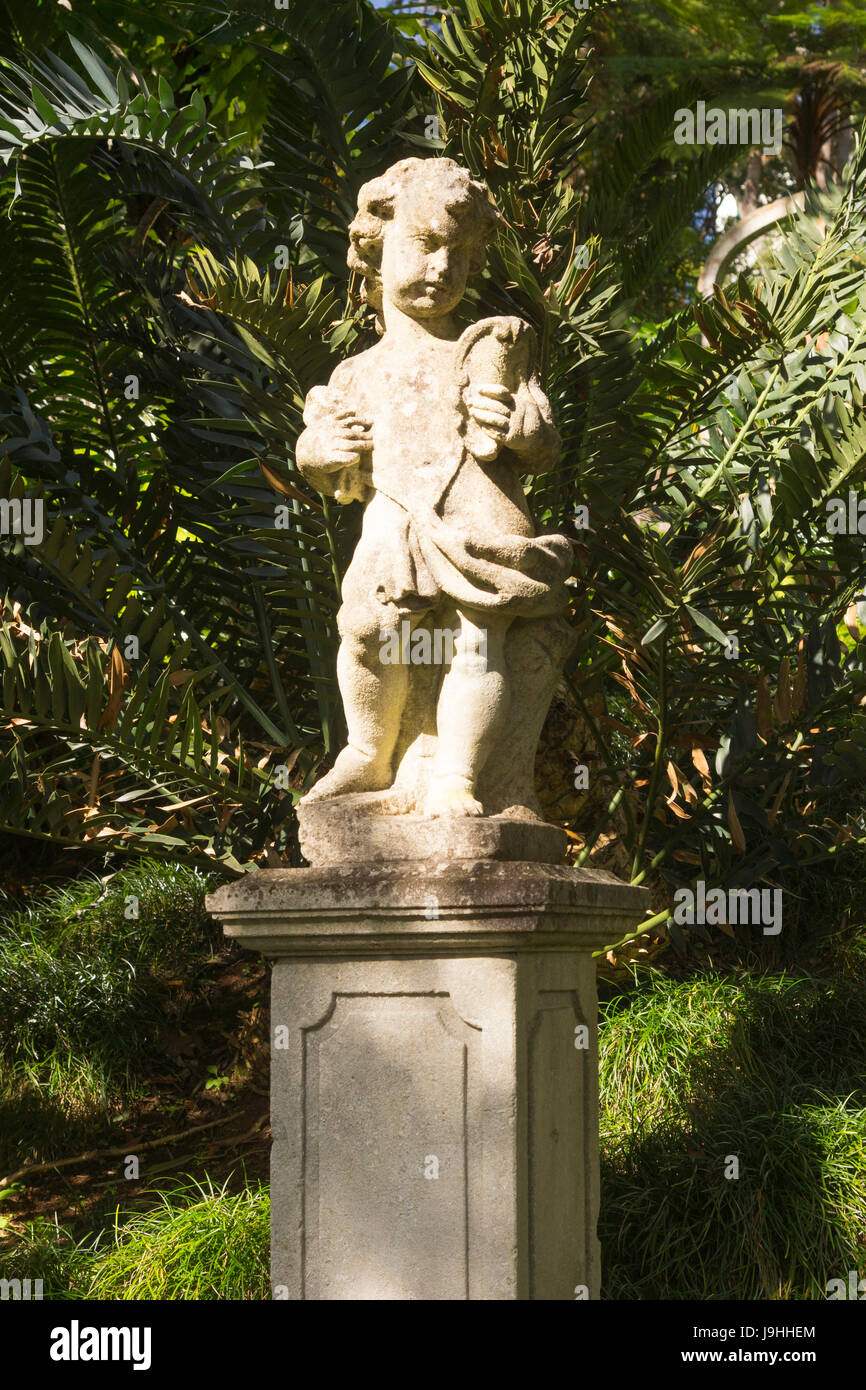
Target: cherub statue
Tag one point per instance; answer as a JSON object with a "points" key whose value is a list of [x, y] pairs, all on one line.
{"points": [[431, 429]]}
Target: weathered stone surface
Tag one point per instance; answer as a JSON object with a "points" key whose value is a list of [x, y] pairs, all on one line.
{"points": [[354, 830], [459, 906], [452, 626], [434, 1075]]}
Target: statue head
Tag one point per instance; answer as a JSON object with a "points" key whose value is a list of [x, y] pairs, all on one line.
{"points": [[421, 230]]}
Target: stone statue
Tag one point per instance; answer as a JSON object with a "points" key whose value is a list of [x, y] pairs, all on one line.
{"points": [[433, 965], [451, 627]]}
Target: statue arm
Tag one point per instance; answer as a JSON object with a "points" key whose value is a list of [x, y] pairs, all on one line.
{"points": [[332, 452]]}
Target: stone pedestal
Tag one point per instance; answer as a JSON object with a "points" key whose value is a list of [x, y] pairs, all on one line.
{"points": [[434, 1074]]}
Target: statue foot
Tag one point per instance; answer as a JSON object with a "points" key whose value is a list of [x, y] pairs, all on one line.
{"points": [[352, 772], [451, 796]]}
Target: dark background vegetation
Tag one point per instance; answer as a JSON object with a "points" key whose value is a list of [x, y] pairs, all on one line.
{"points": [[179, 180]]}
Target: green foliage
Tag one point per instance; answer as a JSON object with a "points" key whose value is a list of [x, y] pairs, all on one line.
{"points": [[746, 437], [179, 285], [49, 1004], [42, 1251], [80, 971], [769, 1070], [201, 1241], [64, 1100], [175, 284], [153, 425], [150, 913], [83, 1000]]}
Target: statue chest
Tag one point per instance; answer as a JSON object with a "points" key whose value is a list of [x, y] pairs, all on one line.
{"points": [[415, 411]]}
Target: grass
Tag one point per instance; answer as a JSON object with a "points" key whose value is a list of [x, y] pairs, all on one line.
{"points": [[200, 1241], [82, 999], [769, 1070], [55, 1000], [149, 913]]}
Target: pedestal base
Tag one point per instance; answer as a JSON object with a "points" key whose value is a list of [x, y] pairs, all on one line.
{"points": [[434, 1075], [352, 830]]}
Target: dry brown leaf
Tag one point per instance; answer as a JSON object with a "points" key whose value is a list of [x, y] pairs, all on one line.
{"points": [[179, 805], [686, 788], [281, 485], [852, 622], [764, 708], [703, 767], [700, 549], [782, 702], [629, 686], [737, 836], [117, 681], [93, 783]]}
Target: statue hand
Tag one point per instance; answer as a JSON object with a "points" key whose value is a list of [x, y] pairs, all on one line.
{"points": [[341, 442], [491, 407], [347, 439]]}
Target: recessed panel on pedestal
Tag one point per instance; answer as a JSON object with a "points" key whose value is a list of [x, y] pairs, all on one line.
{"points": [[386, 1128]]}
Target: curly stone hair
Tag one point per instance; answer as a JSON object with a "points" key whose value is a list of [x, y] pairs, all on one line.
{"points": [[464, 197]]}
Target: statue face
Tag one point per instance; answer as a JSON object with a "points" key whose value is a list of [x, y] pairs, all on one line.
{"points": [[425, 259]]}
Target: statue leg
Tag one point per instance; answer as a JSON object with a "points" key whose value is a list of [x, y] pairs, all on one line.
{"points": [[374, 693], [536, 651], [473, 704]]}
